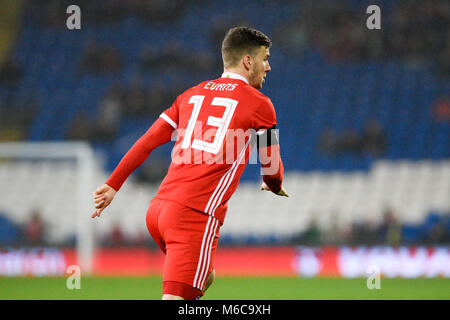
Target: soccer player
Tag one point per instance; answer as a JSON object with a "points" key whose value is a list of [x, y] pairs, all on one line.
{"points": [[217, 124]]}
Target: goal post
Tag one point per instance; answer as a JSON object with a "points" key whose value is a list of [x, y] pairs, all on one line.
{"points": [[83, 155]]}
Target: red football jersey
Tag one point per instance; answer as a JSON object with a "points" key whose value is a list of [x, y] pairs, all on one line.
{"points": [[216, 122]]}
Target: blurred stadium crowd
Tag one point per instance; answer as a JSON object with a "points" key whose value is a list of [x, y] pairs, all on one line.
{"points": [[345, 96]]}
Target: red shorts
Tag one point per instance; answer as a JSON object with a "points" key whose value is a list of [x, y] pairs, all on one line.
{"points": [[189, 239]]}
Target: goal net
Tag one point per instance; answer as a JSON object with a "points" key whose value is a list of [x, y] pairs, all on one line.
{"points": [[54, 180]]}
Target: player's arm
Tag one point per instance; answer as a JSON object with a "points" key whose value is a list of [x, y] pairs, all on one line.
{"points": [[271, 163], [159, 133]]}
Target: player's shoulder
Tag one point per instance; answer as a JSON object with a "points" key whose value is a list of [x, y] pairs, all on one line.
{"points": [[243, 90], [256, 95]]}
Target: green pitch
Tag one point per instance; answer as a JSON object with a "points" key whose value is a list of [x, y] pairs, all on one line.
{"points": [[226, 288]]}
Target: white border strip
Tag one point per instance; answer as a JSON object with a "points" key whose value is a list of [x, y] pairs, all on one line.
{"points": [[201, 261], [206, 261], [170, 121], [224, 187]]}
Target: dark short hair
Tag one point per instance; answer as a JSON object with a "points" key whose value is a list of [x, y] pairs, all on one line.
{"points": [[240, 41]]}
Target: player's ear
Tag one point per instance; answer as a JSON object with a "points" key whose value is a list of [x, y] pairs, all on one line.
{"points": [[247, 61]]}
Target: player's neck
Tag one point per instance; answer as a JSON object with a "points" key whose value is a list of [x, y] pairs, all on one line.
{"points": [[239, 72]]}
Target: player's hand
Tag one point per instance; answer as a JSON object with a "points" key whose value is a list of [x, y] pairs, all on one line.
{"points": [[281, 193], [102, 198]]}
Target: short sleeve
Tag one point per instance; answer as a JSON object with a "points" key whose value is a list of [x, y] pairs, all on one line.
{"points": [[171, 115], [264, 116]]}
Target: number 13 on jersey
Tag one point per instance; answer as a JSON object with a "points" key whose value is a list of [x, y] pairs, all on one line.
{"points": [[222, 123]]}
